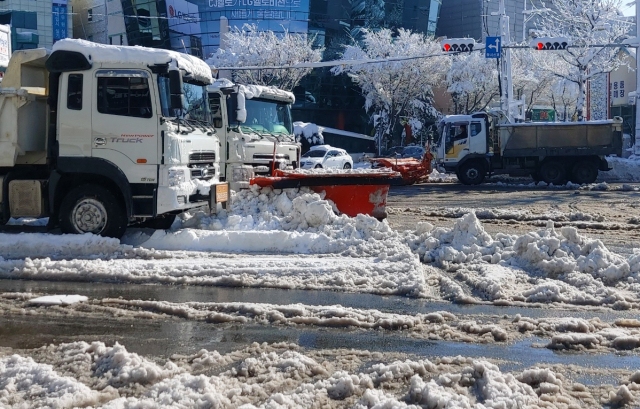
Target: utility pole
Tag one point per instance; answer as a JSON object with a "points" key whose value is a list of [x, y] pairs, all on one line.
{"points": [[505, 64]]}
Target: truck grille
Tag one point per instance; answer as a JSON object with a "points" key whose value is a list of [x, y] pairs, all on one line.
{"points": [[202, 157], [202, 164], [264, 156]]}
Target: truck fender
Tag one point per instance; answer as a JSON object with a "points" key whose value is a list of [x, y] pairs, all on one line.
{"points": [[476, 158], [83, 168]]}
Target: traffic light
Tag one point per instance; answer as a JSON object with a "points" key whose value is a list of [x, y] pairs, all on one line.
{"points": [[455, 45], [550, 43]]}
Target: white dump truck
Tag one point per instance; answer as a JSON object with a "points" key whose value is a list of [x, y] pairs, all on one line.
{"points": [[99, 137], [255, 127], [480, 144]]}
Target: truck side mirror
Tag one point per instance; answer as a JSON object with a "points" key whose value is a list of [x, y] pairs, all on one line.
{"points": [[177, 102], [175, 82], [176, 90]]}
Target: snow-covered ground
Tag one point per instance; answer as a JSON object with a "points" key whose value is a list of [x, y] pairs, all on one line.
{"points": [[295, 240]]}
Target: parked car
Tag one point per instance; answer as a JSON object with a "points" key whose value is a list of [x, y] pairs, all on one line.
{"points": [[416, 152], [395, 151], [325, 156], [411, 151]]}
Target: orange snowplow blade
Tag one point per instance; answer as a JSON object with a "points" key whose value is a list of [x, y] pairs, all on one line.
{"points": [[353, 193]]}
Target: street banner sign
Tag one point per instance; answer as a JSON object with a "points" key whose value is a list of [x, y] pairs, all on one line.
{"points": [[493, 47]]}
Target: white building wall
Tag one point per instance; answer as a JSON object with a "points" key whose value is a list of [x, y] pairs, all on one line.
{"points": [[44, 10], [101, 21]]}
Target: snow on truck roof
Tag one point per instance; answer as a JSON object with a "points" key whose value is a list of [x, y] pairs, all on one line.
{"points": [[102, 53], [255, 91]]}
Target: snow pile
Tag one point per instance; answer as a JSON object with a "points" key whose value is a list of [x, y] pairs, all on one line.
{"points": [[311, 132], [90, 246], [623, 170], [543, 266], [25, 383], [441, 177], [116, 366], [283, 375], [58, 299]]}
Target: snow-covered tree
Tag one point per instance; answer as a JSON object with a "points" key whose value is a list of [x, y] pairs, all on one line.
{"points": [[251, 47], [472, 82], [395, 90], [585, 23]]}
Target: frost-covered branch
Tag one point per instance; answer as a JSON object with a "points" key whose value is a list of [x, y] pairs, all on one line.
{"points": [[250, 47], [395, 90], [585, 23]]}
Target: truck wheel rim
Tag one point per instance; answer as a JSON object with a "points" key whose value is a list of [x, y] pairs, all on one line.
{"points": [[472, 173], [89, 215]]}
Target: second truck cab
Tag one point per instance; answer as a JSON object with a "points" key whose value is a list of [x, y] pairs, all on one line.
{"points": [[255, 128]]}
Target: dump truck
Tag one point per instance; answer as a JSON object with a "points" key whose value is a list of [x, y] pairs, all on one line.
{"points": [[100, 137], [255, 128], [481, 144]]}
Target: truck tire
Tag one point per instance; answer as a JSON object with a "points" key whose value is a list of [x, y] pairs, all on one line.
{"points": [[584, 172], [553, 172], [92, 209], [471, 173]]}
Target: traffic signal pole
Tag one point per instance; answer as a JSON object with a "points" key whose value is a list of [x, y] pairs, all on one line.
{"points": [[505, 65]]}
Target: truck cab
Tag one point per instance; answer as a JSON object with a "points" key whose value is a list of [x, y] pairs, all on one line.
{"points": [[460, 139], [255, 127], [103, 137]]}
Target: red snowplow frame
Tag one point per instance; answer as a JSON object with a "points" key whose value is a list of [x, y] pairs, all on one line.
{"points": [[411, 170]]}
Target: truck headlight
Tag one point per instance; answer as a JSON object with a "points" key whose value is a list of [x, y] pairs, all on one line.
{"points": [[176, 177]]}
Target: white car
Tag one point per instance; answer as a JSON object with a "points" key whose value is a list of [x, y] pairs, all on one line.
{"points": [[325, 156]]}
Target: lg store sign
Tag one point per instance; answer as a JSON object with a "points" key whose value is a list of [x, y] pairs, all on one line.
{"points": [[184, 17]]}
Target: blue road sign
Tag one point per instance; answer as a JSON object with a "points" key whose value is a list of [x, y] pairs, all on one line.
{"points": [[493, 47]]}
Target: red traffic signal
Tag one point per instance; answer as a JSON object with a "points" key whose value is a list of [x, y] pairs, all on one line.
{"points": [[455, 45], [550, 43]]}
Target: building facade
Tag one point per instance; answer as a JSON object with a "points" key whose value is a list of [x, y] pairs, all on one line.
{"points": [[194, 27], [36, 23], [474, 19]]}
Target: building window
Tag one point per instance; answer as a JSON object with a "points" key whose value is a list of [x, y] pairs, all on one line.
{"points": [[74, 92], [124, 96], [90, 15]]}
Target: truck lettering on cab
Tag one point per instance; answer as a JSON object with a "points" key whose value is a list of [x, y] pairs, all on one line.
{"points": [[126, 140]]}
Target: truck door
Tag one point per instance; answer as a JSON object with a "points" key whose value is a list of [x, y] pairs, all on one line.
{"points": [[456, 141], [477, 138], [125, 123]]}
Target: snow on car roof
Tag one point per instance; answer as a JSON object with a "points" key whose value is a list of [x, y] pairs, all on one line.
{"points": [[103, 53]]}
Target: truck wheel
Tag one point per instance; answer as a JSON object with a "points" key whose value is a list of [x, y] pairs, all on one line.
{"points": [[92, 209], [584, 172], [471, 173], [553, 172]]}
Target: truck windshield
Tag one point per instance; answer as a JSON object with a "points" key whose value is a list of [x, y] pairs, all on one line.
{"points": [[268, 116], [195, 100]]}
